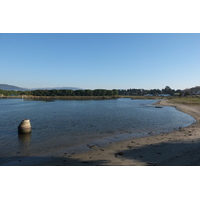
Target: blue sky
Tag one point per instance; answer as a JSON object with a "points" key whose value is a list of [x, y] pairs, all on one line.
{"points": [[106, 61]]}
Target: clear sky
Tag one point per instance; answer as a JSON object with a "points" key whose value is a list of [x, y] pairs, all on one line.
{"points": [[100, 61]]}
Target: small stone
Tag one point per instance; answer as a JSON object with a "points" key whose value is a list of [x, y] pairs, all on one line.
{"points": [[158, 107], [120, 153], [92, 146]]}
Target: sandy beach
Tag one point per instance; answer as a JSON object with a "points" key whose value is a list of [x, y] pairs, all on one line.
{"points": [[178, 148]]}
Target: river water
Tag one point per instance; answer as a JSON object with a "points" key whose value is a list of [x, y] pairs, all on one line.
{"points": [[70, 123]]}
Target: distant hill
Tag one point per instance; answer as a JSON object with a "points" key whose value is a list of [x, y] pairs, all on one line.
{"points": [[194, 90], [56, 88], [11, 87]]}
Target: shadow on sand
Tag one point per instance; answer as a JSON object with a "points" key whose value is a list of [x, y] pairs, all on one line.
{"points": [[47, 161], [166, 154], [163, 154]]}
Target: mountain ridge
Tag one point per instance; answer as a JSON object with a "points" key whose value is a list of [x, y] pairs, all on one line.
{"points": [[13, 87]]}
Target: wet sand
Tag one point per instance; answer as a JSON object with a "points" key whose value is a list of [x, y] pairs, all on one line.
{"points": [[177, 148]]}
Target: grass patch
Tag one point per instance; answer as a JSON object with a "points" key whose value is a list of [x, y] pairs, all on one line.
{"points": [[140, 97], [185, 100]]}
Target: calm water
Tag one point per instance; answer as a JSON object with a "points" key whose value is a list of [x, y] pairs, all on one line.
{"points": [[67, 123]]}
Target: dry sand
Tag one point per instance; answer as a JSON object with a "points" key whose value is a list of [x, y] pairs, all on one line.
{"points": [[177, 148]]}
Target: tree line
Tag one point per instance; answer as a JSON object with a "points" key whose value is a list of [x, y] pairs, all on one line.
{"points": [[96, 92], [154, 92]]}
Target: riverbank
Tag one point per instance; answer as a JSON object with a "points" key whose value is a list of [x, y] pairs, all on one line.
{"points": [[46, 98], [177, 148], [30, 97]]}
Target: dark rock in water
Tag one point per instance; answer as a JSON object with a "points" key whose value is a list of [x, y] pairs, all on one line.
{"points": [[158, 107]]}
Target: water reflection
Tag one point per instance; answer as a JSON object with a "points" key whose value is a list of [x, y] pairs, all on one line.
{"points": [[40, 99], [24, 140]]}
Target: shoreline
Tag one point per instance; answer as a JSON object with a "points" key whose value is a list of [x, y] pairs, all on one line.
{"points": [[46, 98], [177, 148]]}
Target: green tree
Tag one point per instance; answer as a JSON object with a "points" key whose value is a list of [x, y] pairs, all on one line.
{"points": [[114, 92]]}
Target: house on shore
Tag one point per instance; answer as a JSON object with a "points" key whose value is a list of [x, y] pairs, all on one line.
{"points": [[196, 93], [164, 95]]}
